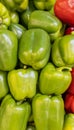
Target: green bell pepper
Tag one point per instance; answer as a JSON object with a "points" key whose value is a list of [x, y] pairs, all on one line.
{"points": [[16, 5], [48, 112], [44, 4], [8, 50], [22, 83], [18, 29], [44, 20], [62, 53], [54, 80], [4, 17], [14, 115], [34, 48], [69, 122], [4, 88]]}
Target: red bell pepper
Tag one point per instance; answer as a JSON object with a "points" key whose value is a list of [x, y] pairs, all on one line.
{"points": [[69, 30], [64, 10], [71, 87], [69, 103]]}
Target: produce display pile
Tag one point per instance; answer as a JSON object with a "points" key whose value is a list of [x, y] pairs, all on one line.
{"points": [[36, 65]]}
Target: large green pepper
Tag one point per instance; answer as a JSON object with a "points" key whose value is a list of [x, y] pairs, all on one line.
{"points": [[4, 17], [34, 48], [44, 4], [69, 122], [44, 20], [4, 88], [54, 80], [18, 5], [22, 83], [8, 50], [14, 115], [48, 112], [14, 17], [63, 51]]}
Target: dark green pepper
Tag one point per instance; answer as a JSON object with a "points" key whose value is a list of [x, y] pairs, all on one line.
{"points": [[44, 20], [54, 80], [22, 83], [25, 15], [62, 53], [14, 115], [48, 112], [4, 17], [4, 88], [34, 48], [8, 50], [44, 4]]}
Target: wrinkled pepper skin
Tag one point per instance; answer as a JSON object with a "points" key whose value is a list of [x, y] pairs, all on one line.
{"points": [[34, 48], [18, 29], [54, 80], [8, 50], [4, 17], [22, 83], [14, 115], [44, 4], [16, 5], [44, 20], [48, 112], [69, 122], [63, 51], [4, 88]]}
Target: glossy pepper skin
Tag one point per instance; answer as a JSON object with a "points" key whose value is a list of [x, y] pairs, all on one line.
{"points": [[18, 29], [48, 112], [45, 20], [44, 4], [69, 122], [8, 50], [14, 115], [64, 10], [4, 17], [4, 88], [30, 128], [16, 5], [63, 51], [34, 48], [22, 83], [54, 80]]}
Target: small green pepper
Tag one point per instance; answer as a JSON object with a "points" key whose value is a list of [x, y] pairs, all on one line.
{"points": [[54, 80], [62, 53], [22, 83]]}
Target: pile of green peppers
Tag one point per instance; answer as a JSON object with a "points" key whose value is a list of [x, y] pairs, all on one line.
{"points": [[36, 60]]}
